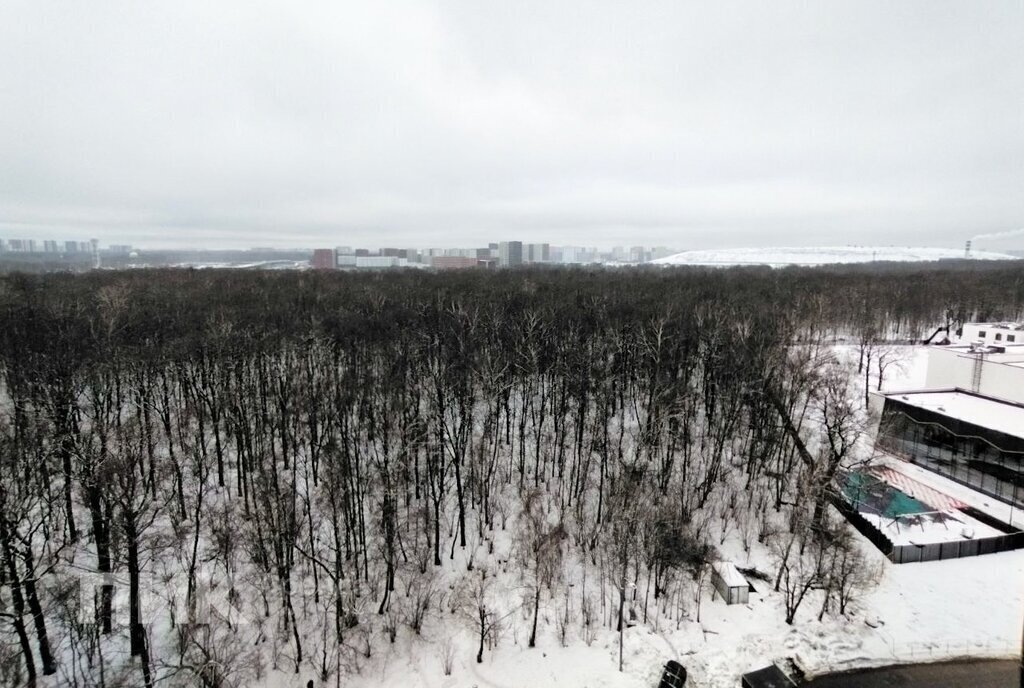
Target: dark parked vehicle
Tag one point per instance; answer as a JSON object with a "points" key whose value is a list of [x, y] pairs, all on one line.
{"points": [[674, 675]]}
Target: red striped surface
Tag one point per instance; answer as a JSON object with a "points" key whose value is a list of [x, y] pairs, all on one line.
{"points": [[929, 495]]}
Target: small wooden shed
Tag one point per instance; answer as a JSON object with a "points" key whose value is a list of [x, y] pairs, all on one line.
{"points": [[730, 583]]}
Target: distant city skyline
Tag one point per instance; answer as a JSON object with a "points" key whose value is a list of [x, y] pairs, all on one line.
{"points": [[9, 243], [998, 239]]}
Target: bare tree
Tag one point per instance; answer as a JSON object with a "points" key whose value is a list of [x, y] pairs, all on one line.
{"points": [[480, 607], [539, 551], [25, 553], [801, 557], [213, 656], [847, 573]]}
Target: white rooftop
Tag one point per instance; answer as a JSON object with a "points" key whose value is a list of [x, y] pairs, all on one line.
{"points": [[970, 408], [728, 572], [997, 325], [1013, 356]]}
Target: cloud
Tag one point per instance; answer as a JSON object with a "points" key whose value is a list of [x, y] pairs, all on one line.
{"points": [[455, 123], [999, 235]]}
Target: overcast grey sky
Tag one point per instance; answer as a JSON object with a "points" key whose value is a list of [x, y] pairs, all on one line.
{"points": [[416, 123]]}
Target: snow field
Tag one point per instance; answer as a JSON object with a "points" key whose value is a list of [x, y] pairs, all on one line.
{"points": [[823, 255]]}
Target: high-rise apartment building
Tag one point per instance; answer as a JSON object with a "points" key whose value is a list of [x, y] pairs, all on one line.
{"points": [[510, 254], [324, 259], [576, 254], [538, 253], [22, 245]]}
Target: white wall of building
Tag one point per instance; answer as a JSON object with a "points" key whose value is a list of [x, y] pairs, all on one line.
{"points": [[992, 333], [950, 367], [380, 262]]}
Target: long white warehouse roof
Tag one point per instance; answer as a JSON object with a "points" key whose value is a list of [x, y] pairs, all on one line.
{"points": [[986, 412]]}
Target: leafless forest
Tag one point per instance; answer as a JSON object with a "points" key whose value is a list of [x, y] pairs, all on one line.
{"points": [[281, 472]]}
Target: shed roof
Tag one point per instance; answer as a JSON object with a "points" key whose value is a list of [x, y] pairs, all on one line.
{"points": [[728, 572]]}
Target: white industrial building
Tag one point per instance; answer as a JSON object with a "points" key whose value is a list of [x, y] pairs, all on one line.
{"points": [[381, 262], [994, 370], [992, 333], [967, 423]]}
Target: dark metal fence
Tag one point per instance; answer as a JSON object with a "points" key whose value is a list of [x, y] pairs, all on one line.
{"points": [[907, 554], [863, 526]]}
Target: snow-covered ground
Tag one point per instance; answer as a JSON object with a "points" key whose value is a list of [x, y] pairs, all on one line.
{"points": [[925, 529], [919, 612], [909, 372], [822, 255]]}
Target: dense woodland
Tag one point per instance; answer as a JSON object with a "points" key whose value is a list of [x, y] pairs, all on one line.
{"points": [[279, 472]]}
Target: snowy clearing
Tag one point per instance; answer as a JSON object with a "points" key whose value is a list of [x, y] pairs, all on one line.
{"points": [[823, 255], [921, 612]]}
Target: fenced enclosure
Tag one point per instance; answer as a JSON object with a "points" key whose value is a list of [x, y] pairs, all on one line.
{"points": [[911, 553], [936, 551]]}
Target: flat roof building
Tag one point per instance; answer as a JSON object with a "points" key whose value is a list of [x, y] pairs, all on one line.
{"points": [[971, 438], [379, 262], [538, 253], [453, 262], [992, 332], [992, 369], [967, 423], [510, 254], [324, 259]]}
